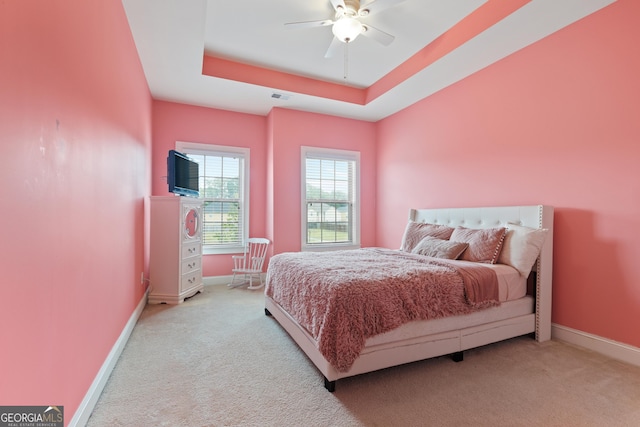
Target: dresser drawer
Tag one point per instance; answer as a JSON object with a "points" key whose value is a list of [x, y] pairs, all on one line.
{"points": [[190, 280], [190, 264], [191, 249]]}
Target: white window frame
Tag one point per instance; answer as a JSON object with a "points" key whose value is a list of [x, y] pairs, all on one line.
{"points": [[213, 150], [333, 154]]}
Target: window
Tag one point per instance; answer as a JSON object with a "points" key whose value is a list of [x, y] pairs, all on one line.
{"points": [[224, 187], [330, 199]]}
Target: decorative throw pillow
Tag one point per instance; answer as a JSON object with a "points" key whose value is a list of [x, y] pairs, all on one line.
{"points": [[416, 231], [484, 243], [434, 247], [521, 247]]}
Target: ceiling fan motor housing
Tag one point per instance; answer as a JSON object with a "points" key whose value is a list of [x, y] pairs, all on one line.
{"points": [[351, 9]]}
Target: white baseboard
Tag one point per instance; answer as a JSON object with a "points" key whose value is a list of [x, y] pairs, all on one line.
{"points": [[83, 413], [218, 280], [607, 347]]}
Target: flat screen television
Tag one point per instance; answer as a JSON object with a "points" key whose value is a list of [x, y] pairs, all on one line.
{"points": [[182, 174]]}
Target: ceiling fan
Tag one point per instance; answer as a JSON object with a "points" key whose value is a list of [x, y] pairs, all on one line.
{"points": [[347, 25]]}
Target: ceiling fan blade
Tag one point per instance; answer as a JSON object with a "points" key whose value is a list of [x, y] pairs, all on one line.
{"points": [[338, 5], [378, 35], [308, 24], [333, 48], [375, 6]]}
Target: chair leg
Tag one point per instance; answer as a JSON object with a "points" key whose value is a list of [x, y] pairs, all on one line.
{"points": [[233, 282], [257, 286]]}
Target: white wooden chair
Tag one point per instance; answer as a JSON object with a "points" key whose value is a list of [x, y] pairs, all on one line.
{"points": [[250, 263]]}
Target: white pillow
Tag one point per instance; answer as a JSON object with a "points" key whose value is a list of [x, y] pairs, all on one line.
{"points": [[521, 247]]}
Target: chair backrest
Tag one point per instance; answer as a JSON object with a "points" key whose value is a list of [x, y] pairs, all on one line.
{"points": [[255, 252]]}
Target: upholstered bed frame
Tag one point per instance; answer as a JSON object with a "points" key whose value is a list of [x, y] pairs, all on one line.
{"points": [[416, 345]]}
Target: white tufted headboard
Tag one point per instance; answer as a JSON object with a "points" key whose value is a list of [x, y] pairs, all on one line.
{"points": [[538, 216]]}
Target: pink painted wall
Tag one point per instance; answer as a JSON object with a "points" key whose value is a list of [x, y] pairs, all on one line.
{"points": [[555, 123], [559, 119], [275, 143], [75, 132], [291, 130], [179, 122]]}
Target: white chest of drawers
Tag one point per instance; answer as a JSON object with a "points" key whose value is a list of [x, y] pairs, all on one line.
{"points": [[175, 264]]}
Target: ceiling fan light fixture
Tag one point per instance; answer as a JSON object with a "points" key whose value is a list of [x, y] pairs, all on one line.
{"points": [[346, 29]]}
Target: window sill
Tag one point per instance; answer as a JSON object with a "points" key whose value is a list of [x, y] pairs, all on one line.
{"points": [[222, 251], [323, 248]]}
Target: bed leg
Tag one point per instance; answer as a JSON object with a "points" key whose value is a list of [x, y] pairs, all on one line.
{"points": [[267, 312], [457, 356], [329, 385]]}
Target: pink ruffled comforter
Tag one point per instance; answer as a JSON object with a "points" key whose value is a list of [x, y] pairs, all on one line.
{"points": [[344, 297]]}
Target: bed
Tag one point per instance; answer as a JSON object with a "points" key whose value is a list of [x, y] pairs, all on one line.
{"points": [[517, 303]]}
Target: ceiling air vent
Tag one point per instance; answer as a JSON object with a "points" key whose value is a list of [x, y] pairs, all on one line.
{"points": [[281, 96]]}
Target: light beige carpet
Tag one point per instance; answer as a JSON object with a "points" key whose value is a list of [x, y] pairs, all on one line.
{"points": [[217, 360]]}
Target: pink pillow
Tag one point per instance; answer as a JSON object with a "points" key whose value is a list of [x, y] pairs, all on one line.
{"points": [[484, 244], [438, 248], [416, 231]]}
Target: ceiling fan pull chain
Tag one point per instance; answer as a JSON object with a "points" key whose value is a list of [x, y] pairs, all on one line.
{"points": [[346, 62]]}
